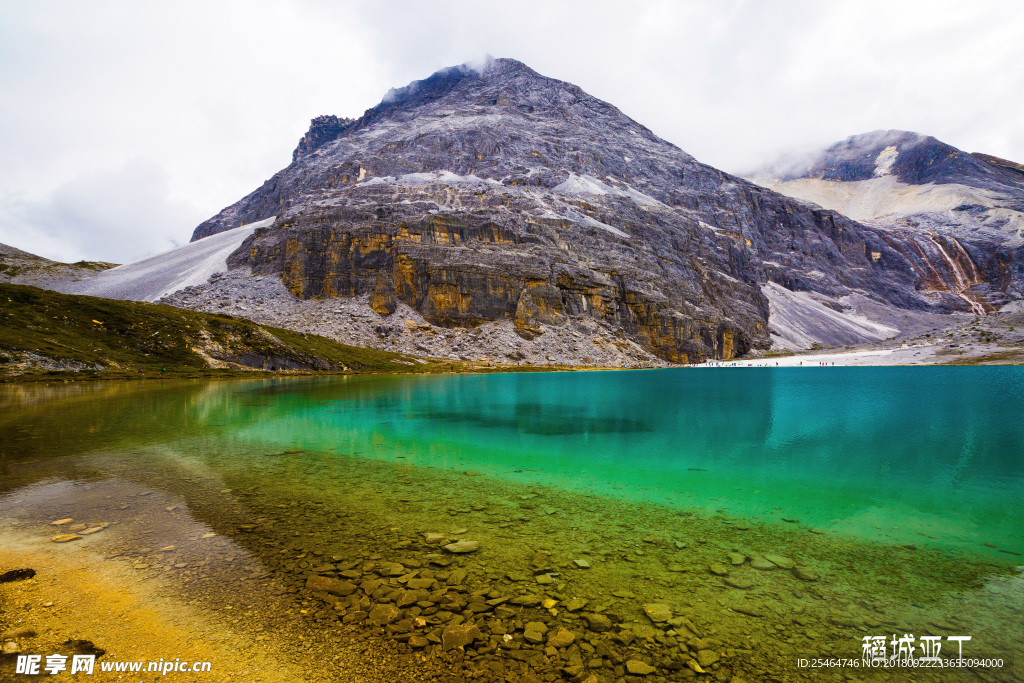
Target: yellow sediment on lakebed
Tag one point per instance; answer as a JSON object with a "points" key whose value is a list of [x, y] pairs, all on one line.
{"points": [[77, 595], [138, 615]]}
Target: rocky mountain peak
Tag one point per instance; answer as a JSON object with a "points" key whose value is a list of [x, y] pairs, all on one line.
{"points": [[492, 72], [499, 120], [912, 158], [490, 86], [494, 85]]}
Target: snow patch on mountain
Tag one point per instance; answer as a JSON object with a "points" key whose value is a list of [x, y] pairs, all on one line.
{"points": [[576, 185], [430, 178], [162, 274], [886, 158]]}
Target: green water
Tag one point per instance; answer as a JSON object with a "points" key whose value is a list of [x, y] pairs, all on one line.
{"points": [[901, 487], [918, 455]]}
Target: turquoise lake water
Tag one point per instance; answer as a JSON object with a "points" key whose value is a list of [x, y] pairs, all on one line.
{"points": [[900, 487], [933, 451], [911, 454]]}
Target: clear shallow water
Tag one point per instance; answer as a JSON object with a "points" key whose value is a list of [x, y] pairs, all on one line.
{"points": [[652, 476], [931, 456]]}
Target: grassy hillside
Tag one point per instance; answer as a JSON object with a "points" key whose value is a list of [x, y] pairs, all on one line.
{"points": [[45, 332]]}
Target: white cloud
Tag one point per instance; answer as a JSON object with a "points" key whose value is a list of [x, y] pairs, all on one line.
{"points": [[218, 94], [118, 215]]}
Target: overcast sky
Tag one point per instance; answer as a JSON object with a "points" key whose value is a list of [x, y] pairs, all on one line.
{"points": [[125, 124]]}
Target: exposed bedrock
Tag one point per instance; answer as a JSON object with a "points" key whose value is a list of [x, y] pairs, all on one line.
{"points": [[450, 269], [500, 194]]}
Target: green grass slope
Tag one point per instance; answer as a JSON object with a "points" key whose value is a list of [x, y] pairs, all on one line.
{"points": [[45, 333]]}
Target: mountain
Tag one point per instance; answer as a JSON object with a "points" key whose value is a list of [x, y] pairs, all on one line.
{"points": [[935, 204], [497, 214], [500, 197], [910, 158]]}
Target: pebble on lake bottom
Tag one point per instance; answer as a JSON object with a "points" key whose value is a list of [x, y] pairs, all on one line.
{"points": [[64, 538]]}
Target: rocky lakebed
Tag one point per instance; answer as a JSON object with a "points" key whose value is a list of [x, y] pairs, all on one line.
{"points": [[353, 569]]}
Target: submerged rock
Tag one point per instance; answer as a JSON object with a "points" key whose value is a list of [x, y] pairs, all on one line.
{"points": [[598, 622], [64, 538], [780, 561], [19, 633], [384, 614], [459, 635], [391, 569], [692, 663], [533, 636], [576, 604], [528, 600], [17, 575], [540, 562], [332, 586], [658, 612], [637, 668], [645, 631], [707, 657], [563, 637], [805, 574], [744, 608], [536, 626], [82, 647], [460, 547]]}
